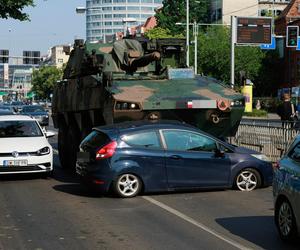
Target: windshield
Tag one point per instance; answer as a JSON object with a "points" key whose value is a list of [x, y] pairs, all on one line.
{"points": [[19, 129], [33, 109]]}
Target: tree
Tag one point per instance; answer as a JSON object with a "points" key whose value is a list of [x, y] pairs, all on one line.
{"points": [[14, 9], [174, 11], [214, 56], [159, 32], [44, 80]]}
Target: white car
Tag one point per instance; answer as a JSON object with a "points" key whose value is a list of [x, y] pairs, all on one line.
{"points": [[24, 147]]}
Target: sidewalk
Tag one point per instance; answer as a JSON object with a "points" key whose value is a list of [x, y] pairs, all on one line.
{"points": [[271, 116]]}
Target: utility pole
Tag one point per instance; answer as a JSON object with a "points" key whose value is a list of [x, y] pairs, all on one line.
{"points": [[187, 33], [233, 41], [195, 31]]}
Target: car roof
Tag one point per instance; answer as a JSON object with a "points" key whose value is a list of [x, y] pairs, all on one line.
{"points": [[16, 118]]}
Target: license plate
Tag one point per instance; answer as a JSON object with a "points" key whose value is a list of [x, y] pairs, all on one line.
{"points": [[83, 156], [9, 163]]}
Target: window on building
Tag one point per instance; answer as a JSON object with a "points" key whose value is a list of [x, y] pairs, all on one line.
{"points": [[60, 60], [133, 8], [118, 23], [133, 1], [146, 1], [146, 8], [133, 15], [119, 15], [108, 15], [120, 8], [107, 23]]}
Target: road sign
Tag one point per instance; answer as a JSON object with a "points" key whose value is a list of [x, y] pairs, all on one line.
{"points": [[269, 46], [298, 47], [254, 30]]}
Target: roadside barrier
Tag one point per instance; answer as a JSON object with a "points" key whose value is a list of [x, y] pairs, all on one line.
{"points": [[270, 137]]}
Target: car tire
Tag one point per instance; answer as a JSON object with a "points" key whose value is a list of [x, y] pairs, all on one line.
{"points": [[285, 221], [63, 146], [248, 179], [127, 186], [48, 174]]}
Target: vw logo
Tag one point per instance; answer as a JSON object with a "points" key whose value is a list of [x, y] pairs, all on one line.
{"points": [[15, 154]]}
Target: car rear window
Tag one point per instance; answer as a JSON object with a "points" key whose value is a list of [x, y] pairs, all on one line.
{"points": [[147, 139], [95, 139], [19, 129], [33, 109], [295, 153]]}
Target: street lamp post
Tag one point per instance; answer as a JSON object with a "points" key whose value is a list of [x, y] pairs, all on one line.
{"points": [[195, 33], [187, 33], [126, 21], [82, 10]]}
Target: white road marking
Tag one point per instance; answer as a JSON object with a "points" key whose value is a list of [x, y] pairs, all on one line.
{"points": [[195, 223], [55, 151]]}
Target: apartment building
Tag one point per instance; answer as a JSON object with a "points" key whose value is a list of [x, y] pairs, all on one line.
{"points": [[222, 10]]}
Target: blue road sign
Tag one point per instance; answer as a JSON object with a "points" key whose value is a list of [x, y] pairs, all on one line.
{"points": [[298, 47], [272, 45]]}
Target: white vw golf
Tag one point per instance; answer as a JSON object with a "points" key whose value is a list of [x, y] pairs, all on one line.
{"points": [[24, 147]]}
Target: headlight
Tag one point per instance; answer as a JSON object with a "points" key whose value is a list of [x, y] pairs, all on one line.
{"points": [[44, 151], [261, 157]]}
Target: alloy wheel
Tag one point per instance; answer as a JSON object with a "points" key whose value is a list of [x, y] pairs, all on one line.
{"points": [[285, 219], [246, 181], [128, 185]]}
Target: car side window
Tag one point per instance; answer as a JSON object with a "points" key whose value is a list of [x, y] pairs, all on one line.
{"points": [[148, 139], [295, 153], [188, 141]]}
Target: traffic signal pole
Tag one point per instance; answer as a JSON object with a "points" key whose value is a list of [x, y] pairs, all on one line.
{"points": [[233, 41]]}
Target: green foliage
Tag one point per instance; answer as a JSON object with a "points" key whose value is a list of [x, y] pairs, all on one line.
{"points": [[269, 77], [214, 56], [44, 80], [257, 113], [14, 9], [159, 32], [174, 11]]}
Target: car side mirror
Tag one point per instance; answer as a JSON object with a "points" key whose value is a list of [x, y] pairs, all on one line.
{"points": [[49, 134], [219, 153]]}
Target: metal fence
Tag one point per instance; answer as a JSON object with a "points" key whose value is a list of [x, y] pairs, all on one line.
{"points": [[270, 137]]}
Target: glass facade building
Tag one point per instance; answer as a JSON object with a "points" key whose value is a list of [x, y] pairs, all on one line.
{"points": [[104, 18]]}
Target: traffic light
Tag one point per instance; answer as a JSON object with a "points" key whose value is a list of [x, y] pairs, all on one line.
{"points": [[292, 36]]}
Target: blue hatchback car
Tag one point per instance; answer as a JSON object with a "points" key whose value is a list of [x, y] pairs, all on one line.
{"points": [[286, 191], [141, 156]]}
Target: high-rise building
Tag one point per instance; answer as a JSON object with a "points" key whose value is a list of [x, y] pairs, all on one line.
{"points": [[104, 18]]}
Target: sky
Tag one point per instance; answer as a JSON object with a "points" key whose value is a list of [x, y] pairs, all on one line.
{"points": [[53, 22]]}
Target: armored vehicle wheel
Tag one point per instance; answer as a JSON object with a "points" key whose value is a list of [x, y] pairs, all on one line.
{"points": [[63, 146], [73, 144]]}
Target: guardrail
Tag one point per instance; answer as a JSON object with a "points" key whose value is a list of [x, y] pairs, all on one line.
{"points": [[270, 137]]}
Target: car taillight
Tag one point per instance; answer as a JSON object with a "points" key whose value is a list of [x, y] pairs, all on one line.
{"points": [[107, 151], [276, 165]]}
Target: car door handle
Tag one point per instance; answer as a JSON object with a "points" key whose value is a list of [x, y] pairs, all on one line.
{"points": [[295, 177], [175, 157]]}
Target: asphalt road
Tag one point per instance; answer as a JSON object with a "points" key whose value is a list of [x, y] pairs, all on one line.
{"points": [[59, 213]]}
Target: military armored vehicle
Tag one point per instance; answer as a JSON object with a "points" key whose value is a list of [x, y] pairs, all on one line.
{"points": [[136, 80]]}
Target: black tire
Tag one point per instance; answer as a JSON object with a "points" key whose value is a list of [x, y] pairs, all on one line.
{"points": [[247, 179], [285, 221], [73, 140], [63, 146], [127, 186], [68, 142], [48, 174]]}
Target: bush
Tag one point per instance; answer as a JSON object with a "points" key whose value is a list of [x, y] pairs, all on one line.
{"points": [[257, 113]]}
